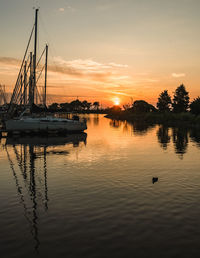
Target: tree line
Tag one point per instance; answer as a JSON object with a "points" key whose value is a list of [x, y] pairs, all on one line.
{"points": [[75, 105], [180, 103]]}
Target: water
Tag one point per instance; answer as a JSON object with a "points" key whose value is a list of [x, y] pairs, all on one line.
{"points": [[92, 195]]}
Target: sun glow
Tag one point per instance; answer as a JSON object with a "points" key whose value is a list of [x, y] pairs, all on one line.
{"points": [[116, 101]]}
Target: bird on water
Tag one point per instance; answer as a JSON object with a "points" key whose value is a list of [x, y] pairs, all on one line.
{"points": [[154, 180]]}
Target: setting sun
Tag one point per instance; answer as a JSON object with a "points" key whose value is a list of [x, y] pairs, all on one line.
{"points": [[116, 101]]}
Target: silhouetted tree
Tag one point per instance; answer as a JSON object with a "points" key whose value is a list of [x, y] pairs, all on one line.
{"points": [[96, 105], [195, 106], [86, 105], [126, 106], [114, 110], [141, 106], [54, 106], [164, 102], [181, 100], [65, 106], [76, 105]]}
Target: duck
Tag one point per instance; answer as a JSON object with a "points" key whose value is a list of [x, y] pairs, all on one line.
{"points": [[154, 180]]}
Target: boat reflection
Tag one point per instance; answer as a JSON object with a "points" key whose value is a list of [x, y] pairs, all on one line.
{"points": [[47, 141], [31, 180]]}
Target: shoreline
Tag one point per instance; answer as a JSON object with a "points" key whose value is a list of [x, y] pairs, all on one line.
{"points": [[167, 119]]}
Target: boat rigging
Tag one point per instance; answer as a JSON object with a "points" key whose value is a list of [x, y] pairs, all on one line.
{"points": [[26, 94]]}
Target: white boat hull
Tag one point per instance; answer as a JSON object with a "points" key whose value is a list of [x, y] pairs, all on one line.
{"points": [[27, 125]]}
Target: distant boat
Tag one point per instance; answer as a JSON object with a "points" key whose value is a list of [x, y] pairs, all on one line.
{"points": [[24, 95]]}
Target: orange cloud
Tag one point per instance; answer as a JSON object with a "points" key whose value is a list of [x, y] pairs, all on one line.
{"points": [[88, 79], [178, 75]]}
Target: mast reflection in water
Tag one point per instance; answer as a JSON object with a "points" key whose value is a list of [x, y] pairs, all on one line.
{"points": [[31, 184]]}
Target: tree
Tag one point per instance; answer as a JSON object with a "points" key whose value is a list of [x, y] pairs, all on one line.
{"points": [[86, 105], [114, 110], [164, 102], [96, 105], [141, 106], [54, 106], [76, 105], [195, 106], [65, 106], [126, 106], [181, 100]]}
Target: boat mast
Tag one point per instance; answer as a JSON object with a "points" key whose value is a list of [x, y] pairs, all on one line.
{"points": [[45, 83], [35, 57], [21, 88], [25, 84], [31, 81]]}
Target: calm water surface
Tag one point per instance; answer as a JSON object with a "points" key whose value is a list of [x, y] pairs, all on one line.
{"points": [[92, 195]]}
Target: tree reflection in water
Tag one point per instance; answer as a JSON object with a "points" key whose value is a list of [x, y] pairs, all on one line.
{"points": [[115, 123], [180, 139], [140, 128], [195, 136], [31, 184], [88, 119], [96, 119], [125, 127], [179, 135], [163, 136]]}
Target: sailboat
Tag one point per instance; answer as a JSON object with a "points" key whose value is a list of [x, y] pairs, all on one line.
{"points": [[25, 93]]}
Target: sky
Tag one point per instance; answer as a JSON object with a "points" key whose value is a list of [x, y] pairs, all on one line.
{"points": [[106, 50]]}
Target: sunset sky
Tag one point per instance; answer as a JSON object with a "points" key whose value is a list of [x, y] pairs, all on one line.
{"points": [[103, 50]]}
